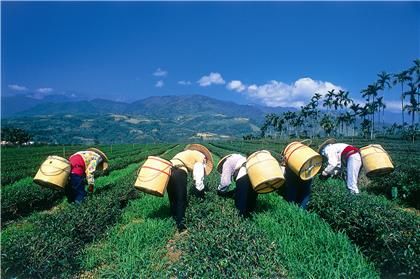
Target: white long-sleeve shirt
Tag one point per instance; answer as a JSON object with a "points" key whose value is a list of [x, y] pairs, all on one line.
{"points": [[333, 153], [232, 163], [198, 175], [194, 161]]}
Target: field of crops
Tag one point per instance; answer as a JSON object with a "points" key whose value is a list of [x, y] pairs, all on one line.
{"points": [[119, 232]]}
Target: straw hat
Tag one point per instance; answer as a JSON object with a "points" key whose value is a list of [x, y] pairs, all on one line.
{"points": [[206, 152], [104, 165], [221, 162], [325, 143]]}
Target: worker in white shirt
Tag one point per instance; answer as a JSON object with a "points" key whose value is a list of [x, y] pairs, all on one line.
{"points": [[195, 159], [232, 168], [341, 155]]}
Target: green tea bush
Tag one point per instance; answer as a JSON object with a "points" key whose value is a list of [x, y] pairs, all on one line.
{"points": [[221, 244], [279, 241], [50, 245], [307, 245], [136, 245], [24, 196], [406, 180], [387, 235]]}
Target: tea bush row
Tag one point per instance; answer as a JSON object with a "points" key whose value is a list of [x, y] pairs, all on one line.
{"points": [[137, 243], [387, 235], [24, 197], [50, 246]]}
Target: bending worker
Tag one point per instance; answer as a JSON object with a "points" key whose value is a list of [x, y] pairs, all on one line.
{"points": [[297, 190], [83, 165], [338, 155], [197, 160], [232, 168]]}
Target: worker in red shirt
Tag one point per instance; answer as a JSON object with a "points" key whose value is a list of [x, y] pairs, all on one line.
{"points": [[83, 165]]}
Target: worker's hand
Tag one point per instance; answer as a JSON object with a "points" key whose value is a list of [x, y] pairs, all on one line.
{"points": [[90, 188]]}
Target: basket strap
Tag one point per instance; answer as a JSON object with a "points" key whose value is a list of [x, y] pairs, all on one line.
{"points": [[147, 167], [287, 157], [305, 142], [58, 171], [160, 160]]}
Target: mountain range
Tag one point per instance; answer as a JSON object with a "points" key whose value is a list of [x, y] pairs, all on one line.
{"points": [[60, 119]]}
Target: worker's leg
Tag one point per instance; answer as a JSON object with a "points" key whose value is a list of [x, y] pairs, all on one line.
{"points": [[354, 163], [177, 192], [77, 188]]}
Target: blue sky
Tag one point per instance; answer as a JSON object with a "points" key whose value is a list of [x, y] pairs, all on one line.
{"points": [[273, 53]]}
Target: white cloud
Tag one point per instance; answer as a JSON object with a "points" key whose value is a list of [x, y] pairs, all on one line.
{"points": [[45, 90], [17, 87], [184, 82], [277, 93], [212, 78], [159, 84], [160, 73], [394, 106], [236, 85]]}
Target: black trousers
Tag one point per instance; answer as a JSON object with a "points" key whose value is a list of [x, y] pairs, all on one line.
{"points": [[297, 190], [177, 193], [245, 196]]}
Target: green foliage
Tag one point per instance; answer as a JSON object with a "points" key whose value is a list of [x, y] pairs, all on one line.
{"points": [[24, 196], [221, 244], [406, 179], [51, 247], [307, 246], [386, 235], [120, 232], [15, 135], [136, 245]]}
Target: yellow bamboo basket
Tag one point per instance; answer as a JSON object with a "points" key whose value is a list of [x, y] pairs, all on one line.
{"points": [[264, 172], [302, 160], [376, 160], [154, 176], [53, 173]]}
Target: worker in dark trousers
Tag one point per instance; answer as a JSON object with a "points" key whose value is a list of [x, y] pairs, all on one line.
{"points": [[83, 165], [195, 159], [232, 168], [297, 190]]}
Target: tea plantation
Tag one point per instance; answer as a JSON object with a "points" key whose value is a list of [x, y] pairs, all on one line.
{"points": [[119, 232]]}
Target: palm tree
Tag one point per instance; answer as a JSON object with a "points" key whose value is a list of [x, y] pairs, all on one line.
{"points": [[415, 69], [356, 110], [329, 99], [371, 92], [380, 105], [401, 78], [384, 81], [413, 107], [327, 123], [314, 112], [289, 117]]}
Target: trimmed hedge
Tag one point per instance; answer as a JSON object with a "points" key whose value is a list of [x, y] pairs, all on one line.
{"points": [[24, 196], [280, 241], [387, 235], [406, 179], [49, 246]]}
